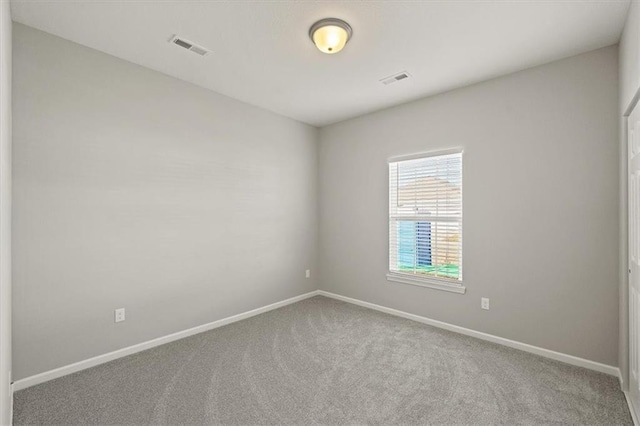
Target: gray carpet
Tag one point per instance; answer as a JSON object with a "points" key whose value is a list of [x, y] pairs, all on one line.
{"points": [[322, 361]]}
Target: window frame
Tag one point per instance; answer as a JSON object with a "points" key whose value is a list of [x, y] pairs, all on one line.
{"points": [[454, 286]]}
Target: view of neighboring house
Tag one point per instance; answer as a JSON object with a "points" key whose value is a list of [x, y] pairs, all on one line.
{"points": [[429, 246]]}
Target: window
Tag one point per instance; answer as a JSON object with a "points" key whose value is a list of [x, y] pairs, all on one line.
{"points": [[425, 220]]}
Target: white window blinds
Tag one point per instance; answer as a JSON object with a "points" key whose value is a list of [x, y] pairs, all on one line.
{"points": [[425, 218]]}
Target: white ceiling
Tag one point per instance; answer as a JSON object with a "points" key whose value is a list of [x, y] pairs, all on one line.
{"points": [[261, 53]]}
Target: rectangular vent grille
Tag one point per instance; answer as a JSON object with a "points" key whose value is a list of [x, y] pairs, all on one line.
{"points": [[182, 43], [395, 78], [198, 50], [186, 44]]}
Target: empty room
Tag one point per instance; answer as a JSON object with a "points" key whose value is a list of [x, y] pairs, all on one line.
{"points": [[319, 212]]}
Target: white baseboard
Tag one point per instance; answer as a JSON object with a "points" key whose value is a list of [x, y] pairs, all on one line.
{"points": [[558, 356], [634, 415], [101, 359], [11, 406]]}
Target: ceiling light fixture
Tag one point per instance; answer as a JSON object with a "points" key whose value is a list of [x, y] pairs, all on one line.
{"points": [[330, 34]]}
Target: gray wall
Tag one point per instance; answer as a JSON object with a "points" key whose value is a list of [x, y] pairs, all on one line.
{"points": [[540, 204], [5, 213], [136, 190]]}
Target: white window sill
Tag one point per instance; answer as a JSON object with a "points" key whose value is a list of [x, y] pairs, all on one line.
{"points": [[428, 282]]}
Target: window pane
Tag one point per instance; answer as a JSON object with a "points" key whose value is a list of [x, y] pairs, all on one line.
{"points": [[429, 187], [425, 216], [426, 248]]}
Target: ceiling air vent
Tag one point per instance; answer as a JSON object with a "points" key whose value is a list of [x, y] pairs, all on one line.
{"points": [[395, 78], [186, 44]]}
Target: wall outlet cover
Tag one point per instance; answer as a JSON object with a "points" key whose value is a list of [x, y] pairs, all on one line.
{"points": [[119, 315], [484, 303]]}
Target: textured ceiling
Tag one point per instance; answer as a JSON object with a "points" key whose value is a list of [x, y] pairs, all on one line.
{"points": [[261, 53]]}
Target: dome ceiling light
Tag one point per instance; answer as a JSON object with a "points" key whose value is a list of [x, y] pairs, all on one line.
{"points": [[330, 35]]}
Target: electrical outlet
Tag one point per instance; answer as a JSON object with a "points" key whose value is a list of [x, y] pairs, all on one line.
{"points": [[307, 273], [484, 303], [119, 315]]}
